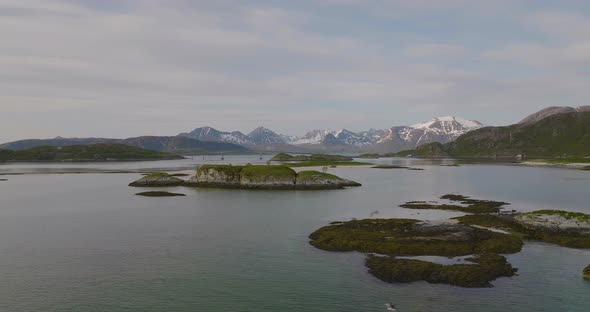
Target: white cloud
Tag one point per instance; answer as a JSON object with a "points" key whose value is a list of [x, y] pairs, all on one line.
{"points": [[163, 67]]}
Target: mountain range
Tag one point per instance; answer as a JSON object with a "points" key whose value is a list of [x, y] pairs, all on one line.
{"points": [[208, 139], [469, 137], [440, 129]]}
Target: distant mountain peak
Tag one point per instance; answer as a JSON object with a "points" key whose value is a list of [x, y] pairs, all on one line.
{"points": [[553, 110], [468, 124], [262, 135]]}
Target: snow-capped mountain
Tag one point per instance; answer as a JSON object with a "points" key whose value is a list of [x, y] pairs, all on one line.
{"points": [[208, 134], [263, 135], [440, 129]]}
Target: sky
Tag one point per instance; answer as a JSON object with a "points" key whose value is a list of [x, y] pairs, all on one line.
{"points": [[122, 68]]}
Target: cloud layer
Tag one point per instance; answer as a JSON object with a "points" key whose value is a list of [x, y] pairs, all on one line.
{"points": [[124, 68]]}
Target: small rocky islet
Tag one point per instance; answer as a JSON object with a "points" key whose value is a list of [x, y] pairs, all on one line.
{"points": [[263, 177], [475, 235], [586, 273], [159, 194]]}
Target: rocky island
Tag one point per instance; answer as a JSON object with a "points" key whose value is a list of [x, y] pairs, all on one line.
{"points": [[158, 179], [394, 238], [159, 194], [586, 273], [312, 157], [483, 234], [265, 177]]}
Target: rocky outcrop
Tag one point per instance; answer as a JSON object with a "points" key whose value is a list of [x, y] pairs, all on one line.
{"points": [[586, 273], [315, 179], [157, 179], [217, 175], [265, 177], [556, 221]]}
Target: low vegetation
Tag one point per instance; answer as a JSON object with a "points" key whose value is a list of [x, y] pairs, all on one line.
{"points": [[369, 156], [267, 173], [408, 237], [565, 160], [484, 269], [473, 234], [586, 273], [95, 152], [393, 238], [313, 157], [331, 164], [395, 167], [159, 194]]}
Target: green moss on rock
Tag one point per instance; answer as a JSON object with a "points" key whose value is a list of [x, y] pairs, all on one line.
{"points": [[468, 205], [265, 177], [485, 268], [407, 237]]}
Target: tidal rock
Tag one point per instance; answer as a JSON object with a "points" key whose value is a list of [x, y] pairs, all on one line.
{"points": [[157, 179]]}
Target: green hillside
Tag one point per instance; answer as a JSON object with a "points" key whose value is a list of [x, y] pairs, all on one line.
{"points": [[95, 152], [556, 135]]}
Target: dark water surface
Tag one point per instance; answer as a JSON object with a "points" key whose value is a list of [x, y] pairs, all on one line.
{"points": [[85, 242]]}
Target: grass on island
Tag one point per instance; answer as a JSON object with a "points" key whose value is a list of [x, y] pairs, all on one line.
{"points": [[159, 194], [94, 152], [586, 273], [266, 173], [326, 164], [369, 156], [312, 176], [312, 157]]}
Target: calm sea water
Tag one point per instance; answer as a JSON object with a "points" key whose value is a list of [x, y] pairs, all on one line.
{"points": [[85, 242]]}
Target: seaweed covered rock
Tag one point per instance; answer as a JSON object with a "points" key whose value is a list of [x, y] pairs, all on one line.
{"points": [[408, 237], [157, 179], [485, 268], [393, 238], [586, 273], [459, 203]]}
